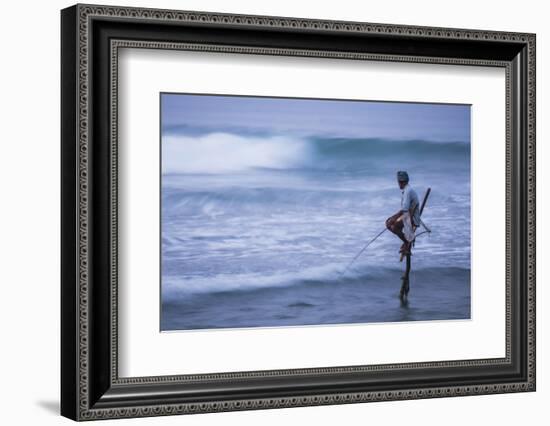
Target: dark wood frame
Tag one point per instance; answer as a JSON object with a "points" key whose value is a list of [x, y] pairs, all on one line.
{"points": [[91, 37]]}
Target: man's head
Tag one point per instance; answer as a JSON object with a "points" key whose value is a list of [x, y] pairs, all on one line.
{"points": [[402, 179]]}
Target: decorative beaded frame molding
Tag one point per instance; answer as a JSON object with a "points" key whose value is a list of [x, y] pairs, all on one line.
{"points": [[84, 409]]}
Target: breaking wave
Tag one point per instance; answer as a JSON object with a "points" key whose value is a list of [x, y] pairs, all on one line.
{"points": [[217, 153], [226, 153]]}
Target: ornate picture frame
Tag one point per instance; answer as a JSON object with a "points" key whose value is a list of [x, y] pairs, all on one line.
{"points": [[91, 37]]}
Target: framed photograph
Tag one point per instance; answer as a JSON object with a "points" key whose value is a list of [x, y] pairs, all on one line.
{"points": [[263, 212]]}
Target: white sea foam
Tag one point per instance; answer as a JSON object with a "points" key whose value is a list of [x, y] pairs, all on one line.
{"points": [[227, 153], [173, 287]]}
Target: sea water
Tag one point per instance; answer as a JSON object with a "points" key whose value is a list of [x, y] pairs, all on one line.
{"points": [[257, 231]]}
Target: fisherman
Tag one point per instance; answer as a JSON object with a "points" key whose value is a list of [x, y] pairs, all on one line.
{"points": [[405, 221]]}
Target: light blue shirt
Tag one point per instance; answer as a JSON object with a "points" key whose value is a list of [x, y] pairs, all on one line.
{"points": [[409, 202]]}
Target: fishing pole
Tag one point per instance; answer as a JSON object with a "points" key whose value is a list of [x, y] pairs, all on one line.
{"points": [[428, 231], [362, 250]]}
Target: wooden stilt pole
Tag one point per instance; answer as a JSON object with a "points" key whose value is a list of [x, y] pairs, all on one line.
{"points": [[405, 285]]}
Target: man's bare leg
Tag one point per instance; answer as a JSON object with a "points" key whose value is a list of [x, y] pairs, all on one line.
{"points": [[396, 227]]}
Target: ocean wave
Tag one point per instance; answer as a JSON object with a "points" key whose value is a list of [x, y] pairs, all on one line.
{"points": [[333, 274], [266, 200], [175, 286], [216, 153], [227, 153]]}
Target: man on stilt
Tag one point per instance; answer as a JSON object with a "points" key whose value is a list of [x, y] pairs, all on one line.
{"points": [[404, 223]]}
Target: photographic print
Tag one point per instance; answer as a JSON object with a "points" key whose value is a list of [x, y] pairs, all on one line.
{"points": [[300, 212]]}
